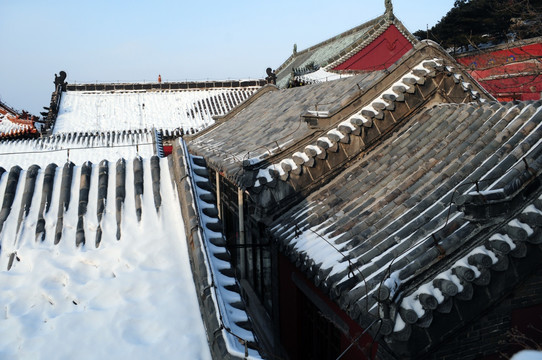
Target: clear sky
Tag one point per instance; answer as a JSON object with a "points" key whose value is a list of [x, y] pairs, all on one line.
{"points": [[130, 41]]}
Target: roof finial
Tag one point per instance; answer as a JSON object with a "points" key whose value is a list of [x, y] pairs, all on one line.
{"points": [[389, 9]]}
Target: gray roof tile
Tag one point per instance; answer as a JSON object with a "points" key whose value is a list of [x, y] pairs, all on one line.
{"points": [[386, 212]]}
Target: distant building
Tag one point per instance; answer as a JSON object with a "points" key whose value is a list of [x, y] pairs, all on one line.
{"points": [[510, 71], [16, 126], [372, 46]]}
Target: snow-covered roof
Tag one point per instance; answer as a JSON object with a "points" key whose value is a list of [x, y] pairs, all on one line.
{"points": [[388, 233], [285, 132], [320, 75], [95, 265], [77, 147], [13, 126], [215, 274], [119, 107], [272, 123]]}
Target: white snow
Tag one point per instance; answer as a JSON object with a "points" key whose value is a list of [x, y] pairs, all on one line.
{"points": [[399, 324], [317, 149], [532, 209], [528, 355], [289, 162], [483, 250], [140, 109], [411, 302], [326, 140], [321, 75], [302, 155], [487, 192], [336, 132], [519, 224], [263, 173], [78, 148], [504, 238], [134, 298]]}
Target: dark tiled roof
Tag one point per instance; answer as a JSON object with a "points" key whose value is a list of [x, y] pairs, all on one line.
{"points": [[389, 225], [272, 123], [280, 159]]}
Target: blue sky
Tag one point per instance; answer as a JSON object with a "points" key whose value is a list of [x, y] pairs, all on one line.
{"points": [[118, 40]]}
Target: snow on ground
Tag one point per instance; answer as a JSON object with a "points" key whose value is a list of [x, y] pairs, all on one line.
{"points": [[133, 298]]}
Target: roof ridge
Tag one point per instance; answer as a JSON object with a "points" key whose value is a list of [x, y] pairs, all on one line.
{"points": [[356, 123], [365, 25], [364, 42], [173, 85]]}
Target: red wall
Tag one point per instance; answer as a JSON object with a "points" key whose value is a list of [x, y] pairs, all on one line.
{"points": [[383, 52], [509, 74], [289, 317], [501, 57]]}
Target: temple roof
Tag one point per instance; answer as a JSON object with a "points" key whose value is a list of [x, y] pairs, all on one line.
{"points": [[272, 122], [102, 247], [282, 129], [15, 126], [424, 215], [188, 106], [339, 48], [87, 272]]}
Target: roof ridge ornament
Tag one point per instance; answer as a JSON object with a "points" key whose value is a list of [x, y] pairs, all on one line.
{"points": [[389, 10]]}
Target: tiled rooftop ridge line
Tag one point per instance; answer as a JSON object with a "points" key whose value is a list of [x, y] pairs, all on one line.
{"points": [[512, 242], [227, 322], [65, 141], [190, 85], [356, 124], [372, 23], [71, 186]]}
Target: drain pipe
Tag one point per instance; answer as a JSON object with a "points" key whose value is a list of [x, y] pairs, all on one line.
{"points": [[218, 201], [240, 205]]}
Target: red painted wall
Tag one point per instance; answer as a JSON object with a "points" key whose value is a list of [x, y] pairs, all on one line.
{"points": [[509, 74], [383, 52], [289, 318], [500, 57]]}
